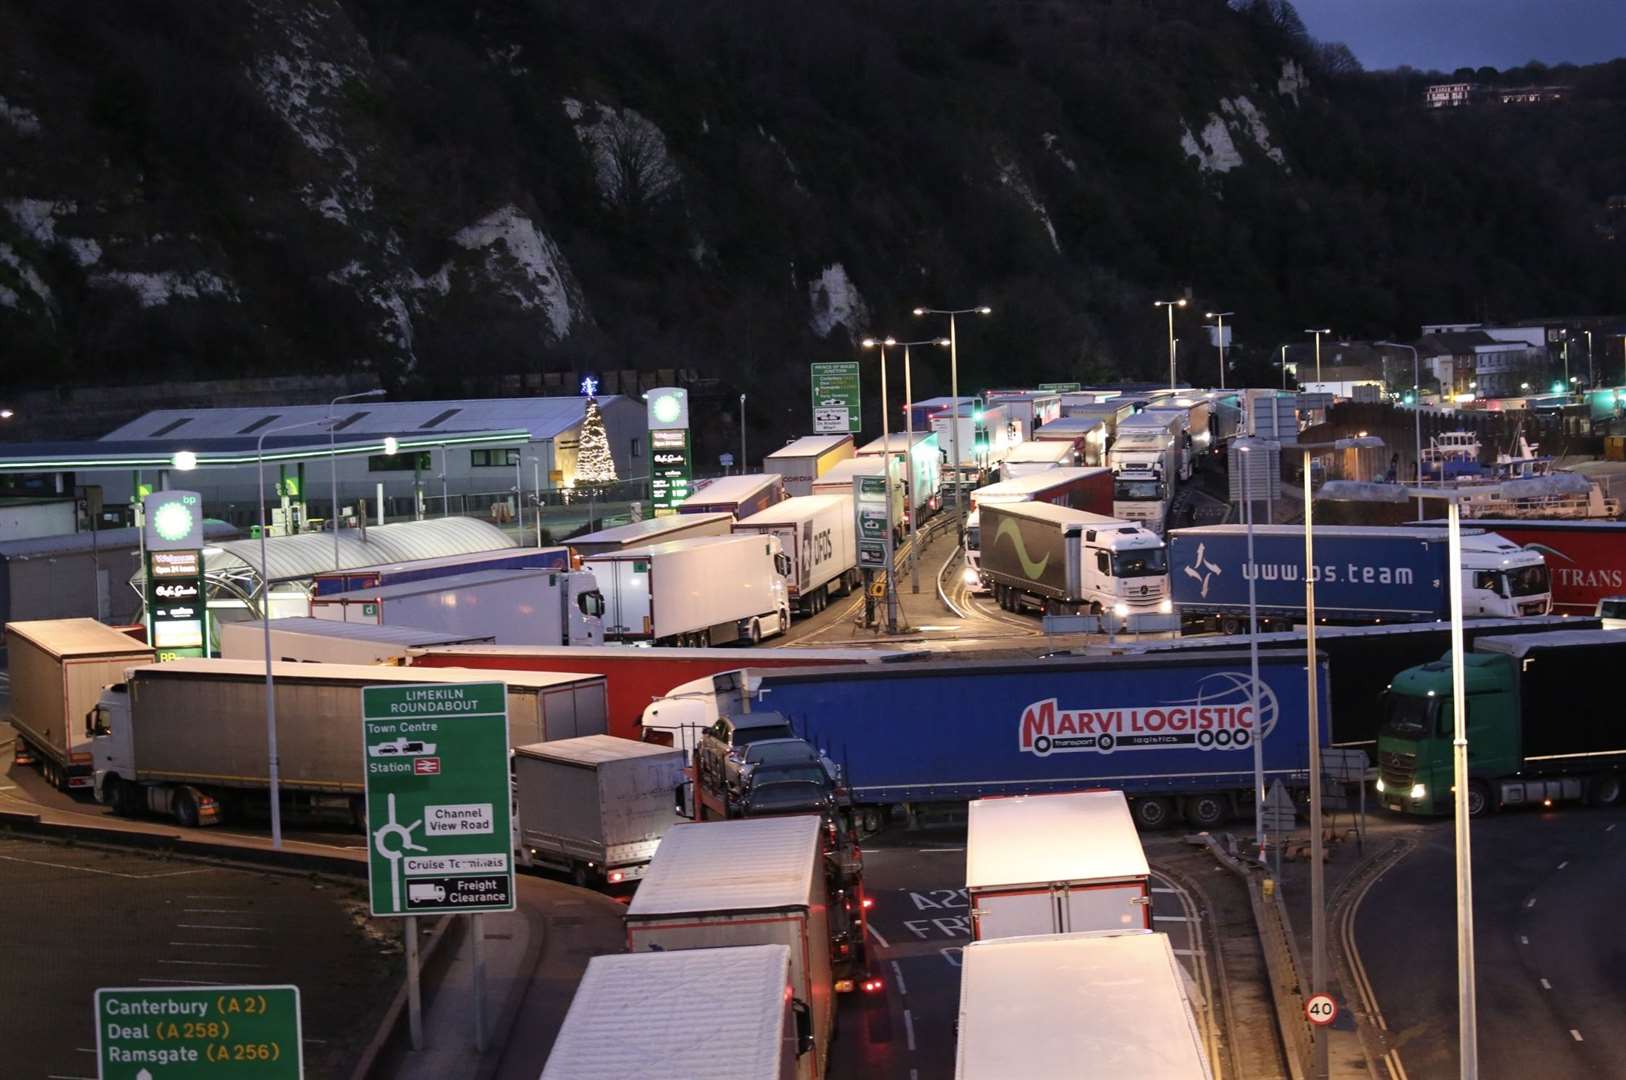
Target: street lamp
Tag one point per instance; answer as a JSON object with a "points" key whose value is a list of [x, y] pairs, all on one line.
{"points": [[1170, 305], [1245, 447], [333, 461], [909, 422], [954, 392], [1220, 316], [265, 622], [6, 414], [1591, 377], [1416, 411], [742, 435], [880, 344], [1318, 334], [1283, 365]]}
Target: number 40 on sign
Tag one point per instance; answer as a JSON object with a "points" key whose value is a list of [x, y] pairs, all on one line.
{"points": [[1321, 1010]]}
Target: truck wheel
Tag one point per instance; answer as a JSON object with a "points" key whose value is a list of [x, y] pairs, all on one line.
{"points": [[581, 876], [185, 809], [755, 635], [1153, 813], [1604, 790], [1206, 811], [1231, 626], [117, 797], [1480, 803]]}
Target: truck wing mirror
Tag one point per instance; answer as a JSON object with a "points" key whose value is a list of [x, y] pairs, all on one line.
{"points": [[804, 1026]]}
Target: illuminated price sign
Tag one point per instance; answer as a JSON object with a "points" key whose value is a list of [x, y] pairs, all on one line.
{"points": [[671, 469]]}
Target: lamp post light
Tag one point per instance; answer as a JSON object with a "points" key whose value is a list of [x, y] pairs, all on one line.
{"points": [[1283, 365], [1591, 377], [6, 414], [265, 624], [909, 427], [1220, 316], [1170, 305], [1318, 334], [954, 392], [333, 461], [742, 434], [1416, 411], [880, 344]]}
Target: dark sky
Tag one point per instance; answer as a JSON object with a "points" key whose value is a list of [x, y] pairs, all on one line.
{"points": [[1446, 34]]}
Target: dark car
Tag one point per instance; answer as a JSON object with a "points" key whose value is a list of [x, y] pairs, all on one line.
{"points": [[723, 747]]}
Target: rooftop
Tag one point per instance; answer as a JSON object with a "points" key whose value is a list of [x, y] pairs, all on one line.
{"points": [[749, 864]]}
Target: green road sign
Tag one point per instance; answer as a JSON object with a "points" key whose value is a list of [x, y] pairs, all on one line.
{"points": [[437, 798], [1061, 387], [218, 1032], [835, 398]]}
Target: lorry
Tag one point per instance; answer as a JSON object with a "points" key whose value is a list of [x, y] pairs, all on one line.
{"points": [[920, 475], [802, 461], [1174, 732], [816, 532], [1088, 489], [326, 641], [1055, 864], [1059, 561], [612, 1032], [513, 607], [1038, 455], [752, 881], [657, 530], [695, 592], [1089, 436], [401, 573], [1587, 559], [1364, 574], [1028, 410], [1543, 726], [1020, 1013], [1148, 458], [594, 807], [188, 737], [58, 668], [738, 496]]}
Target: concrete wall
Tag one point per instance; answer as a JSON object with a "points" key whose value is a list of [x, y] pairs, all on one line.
{"points": [[28, 520]]}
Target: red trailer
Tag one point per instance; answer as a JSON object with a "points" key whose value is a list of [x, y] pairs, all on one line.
{"points": [[1587, 559], [634, 676], [1086, 489]]}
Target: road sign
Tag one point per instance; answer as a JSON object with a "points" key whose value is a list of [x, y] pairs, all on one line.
{"points": [[1061, 387], [671, 469], [871, 520], [1321, 1009], [218, 1032], [835, 398], [437, 798], [1278, 815]]}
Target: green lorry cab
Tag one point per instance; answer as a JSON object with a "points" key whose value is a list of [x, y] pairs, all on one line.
{"points": [[1544, 722]]}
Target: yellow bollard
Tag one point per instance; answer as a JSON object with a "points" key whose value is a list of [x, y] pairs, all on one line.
{"points": [[1269, 887]]}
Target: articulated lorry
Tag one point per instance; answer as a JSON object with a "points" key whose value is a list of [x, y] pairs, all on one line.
{"points": [[1148, 459], [58, 668], [1363, 574], [816, 532], [188, 737], [656, 530], [802, 461], [1587, 559], [738, 496], [695, 592], [1059, 561], [1543, 726], [1173, 732], [1080, 488], [326, 641], [402, 573], [1087, 435], [514, 607]]}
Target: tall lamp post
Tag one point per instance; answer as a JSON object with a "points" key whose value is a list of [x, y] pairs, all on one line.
{"points": [[1283, 364], [1170, 305], [880, 344], [333, 461], [1416, 411], [1220, 316], [1318, 334], [954, 392], [1245, 448], [742, 434], [909, 427]]}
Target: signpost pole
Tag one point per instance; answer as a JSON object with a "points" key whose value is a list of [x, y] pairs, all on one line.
{"points": [[477, 930], [414, 997]]}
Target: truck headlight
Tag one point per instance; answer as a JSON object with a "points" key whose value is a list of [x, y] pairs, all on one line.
{"points": [[1121, 610], [1165, 606], [1418, 791], [969, 575], [1379, 785]]}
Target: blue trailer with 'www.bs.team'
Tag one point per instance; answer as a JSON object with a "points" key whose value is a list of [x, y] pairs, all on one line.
{"points": [[1173, 732]]}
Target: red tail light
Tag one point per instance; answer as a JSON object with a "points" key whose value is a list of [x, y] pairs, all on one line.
{"points": [[868, 903], [616, 877], [872, 986], [845, 949]]}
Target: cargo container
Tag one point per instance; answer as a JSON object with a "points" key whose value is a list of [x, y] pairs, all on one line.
{"points": [[1023, 1010], [1587, 559], [512, 607], [802, 461], [1173, 732], [326, 641], [1038, 455], [1364, 574], [1055, 864], [1148, 459], [816, 532], [188, 737], [656, 530], [695, 592], [922, 478], [1109, 412], [402, 573], [1544, 726], [1087, 489], [740, 1017], [1029, 410], [1058, 561], [1089, 434], [596, 806], [58, 668], [755, 881], [738, 496]]}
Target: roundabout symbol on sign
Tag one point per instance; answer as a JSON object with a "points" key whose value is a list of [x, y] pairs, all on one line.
{"points": [[1321, 1010]]}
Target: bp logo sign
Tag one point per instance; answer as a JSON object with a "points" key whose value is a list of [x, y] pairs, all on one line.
{"points": [[173, 521], [668, 408]]}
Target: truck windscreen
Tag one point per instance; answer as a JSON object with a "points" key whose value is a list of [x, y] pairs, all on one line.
{"points": [[1411, 717], [973, 538], [1528, 581], [1146, 562], [1137, 491]]}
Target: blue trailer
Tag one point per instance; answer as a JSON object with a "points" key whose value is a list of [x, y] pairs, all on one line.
{"points": [[401, 573], [1174, 732]]}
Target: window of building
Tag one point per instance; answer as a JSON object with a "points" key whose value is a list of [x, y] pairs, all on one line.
{"points": [[637, 448], [506, 457], [398, 462]]}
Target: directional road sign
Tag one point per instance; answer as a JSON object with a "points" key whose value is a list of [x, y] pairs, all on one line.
{"points": [[220, 1032], [437, 798], [835, 398]]}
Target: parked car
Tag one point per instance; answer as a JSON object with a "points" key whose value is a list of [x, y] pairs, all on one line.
{"points": [[722, 749]]}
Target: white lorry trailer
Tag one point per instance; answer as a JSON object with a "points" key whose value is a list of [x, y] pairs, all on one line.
{"points": [[1055, 864], [1020, 1013], [188, 737], [511, 607], [326, 641], [1058, 561], [58, 668], [695, 592], [596, 806], [802, 461], [917, 468], [1146, 460], [737, 496], [658, 530], [751, 881], [816, 532], [1038, 455], [612, 1032]]}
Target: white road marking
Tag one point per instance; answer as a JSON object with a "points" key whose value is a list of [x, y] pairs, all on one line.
{"points": [[1545, 985], [909, 1030], [13, 787], [1530, 903], [210, 963], [1610, 828], [1523, 940], [216, 911], [924, 850], [216, 926], [897, 976], [212, 945], [876, 934], [1170, 918], [1563, 864], [914, 1074], [108, 873], [85, 1049], [181, 982], [1576, 1035], [67, 1076]]}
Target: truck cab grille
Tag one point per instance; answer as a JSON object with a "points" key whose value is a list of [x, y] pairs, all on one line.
{"points": [[1397, 770]]}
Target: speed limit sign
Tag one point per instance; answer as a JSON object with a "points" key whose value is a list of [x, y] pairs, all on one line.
{"points": [[1321, 1009]]}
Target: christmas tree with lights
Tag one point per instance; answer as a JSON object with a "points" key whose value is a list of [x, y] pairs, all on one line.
{"points": [[595, 468]]}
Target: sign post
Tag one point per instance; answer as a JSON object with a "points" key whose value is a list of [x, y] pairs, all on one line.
{"points": [[836, 398], [1321, 1010], [172, 544], [219, 1032], [438, 811], [671, 472]]}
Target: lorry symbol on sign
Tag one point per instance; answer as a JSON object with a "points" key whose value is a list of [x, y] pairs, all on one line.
{"points": [[1201, 569], [426, 893], [402, 747]]}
